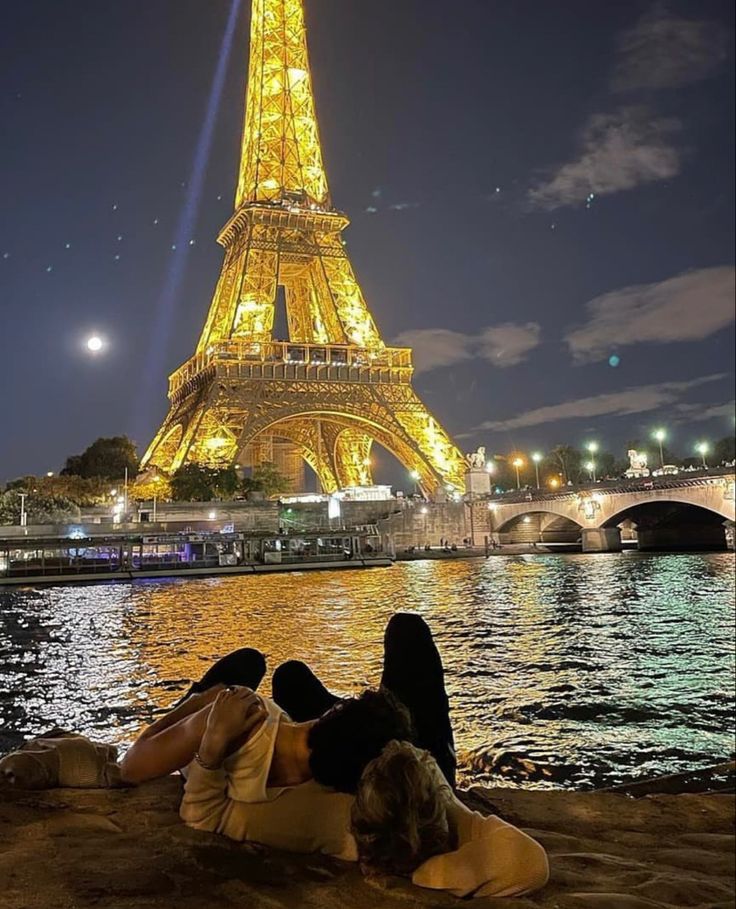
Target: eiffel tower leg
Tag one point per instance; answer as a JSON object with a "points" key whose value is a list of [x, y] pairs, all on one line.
{"points": [[353, 458], [315, 438]]}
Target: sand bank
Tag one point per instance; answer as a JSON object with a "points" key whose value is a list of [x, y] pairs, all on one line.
{"points": [[70, 849]]}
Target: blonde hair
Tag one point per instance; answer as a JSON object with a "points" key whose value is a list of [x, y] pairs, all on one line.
{"points": [[399, 817]]}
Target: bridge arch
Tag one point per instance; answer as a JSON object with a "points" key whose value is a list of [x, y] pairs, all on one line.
{"points": [[540, 527], [671, 500], [672, 524]]}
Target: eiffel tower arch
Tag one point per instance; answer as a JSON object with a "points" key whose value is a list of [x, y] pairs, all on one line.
{"points": [[333, 388]]}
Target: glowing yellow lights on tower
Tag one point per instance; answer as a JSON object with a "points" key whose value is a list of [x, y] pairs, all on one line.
{"points": [[333, 388]]}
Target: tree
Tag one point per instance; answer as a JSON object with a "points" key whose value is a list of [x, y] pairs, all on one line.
{"points": [[267, 478], [567, 461], [197, 483], [724, 451], [193, 483], [606, 465], [40, 508], [227, 482], [107, 458]]}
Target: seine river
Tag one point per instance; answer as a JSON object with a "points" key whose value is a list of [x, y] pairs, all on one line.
{"points": [[563, 670]]}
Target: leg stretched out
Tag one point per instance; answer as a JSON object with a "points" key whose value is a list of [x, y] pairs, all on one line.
{"points": [[413, 671]]}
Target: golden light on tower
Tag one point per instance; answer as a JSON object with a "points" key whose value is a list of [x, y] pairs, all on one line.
{"points": [[333, 388]]}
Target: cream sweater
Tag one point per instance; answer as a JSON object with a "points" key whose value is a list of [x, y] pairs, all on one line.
{"points": [[492, 859]]}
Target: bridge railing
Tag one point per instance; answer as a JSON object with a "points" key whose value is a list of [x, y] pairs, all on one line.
{"points": [[618, 487]]}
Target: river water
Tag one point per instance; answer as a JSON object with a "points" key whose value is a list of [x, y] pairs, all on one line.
{"points": [[563, 670]]}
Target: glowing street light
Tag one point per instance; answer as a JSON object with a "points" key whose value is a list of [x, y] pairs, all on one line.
{"points": [[537, 457], [95, 344], [592, 447], [518, 463], [702, 449], [156, 480], [660, 435], [554, 483], [23, 512], [416, 476]]}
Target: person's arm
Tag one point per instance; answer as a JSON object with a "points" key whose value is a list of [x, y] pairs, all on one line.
{"points": [[492, 859], [186, 708], [174, 747], [206, 805]]}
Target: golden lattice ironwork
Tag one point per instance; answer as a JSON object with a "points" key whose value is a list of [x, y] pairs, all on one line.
{"points": [[334, 388]]}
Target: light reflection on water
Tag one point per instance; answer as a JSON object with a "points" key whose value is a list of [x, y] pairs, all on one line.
{"points": [[562, 670]]}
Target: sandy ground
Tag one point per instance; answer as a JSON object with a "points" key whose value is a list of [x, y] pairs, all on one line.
{"points": [[68, 849]]}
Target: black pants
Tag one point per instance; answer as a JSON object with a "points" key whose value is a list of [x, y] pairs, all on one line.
{"points": [[412, 671]]}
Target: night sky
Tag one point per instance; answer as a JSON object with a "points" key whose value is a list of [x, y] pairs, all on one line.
{"points": [[537, 190]]}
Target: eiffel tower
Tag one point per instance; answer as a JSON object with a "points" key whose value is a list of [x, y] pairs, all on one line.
{"points": [[333, 388]]}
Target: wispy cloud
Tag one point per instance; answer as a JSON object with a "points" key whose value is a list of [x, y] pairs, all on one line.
{"points": [[618, 151], [510, 343], [633, 146], [620, 403], [502, 345], [435, 347], [665, 51], [688, 307], [702, 411]]}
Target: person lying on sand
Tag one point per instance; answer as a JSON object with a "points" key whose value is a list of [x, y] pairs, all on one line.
{"points": [[256, 775]]}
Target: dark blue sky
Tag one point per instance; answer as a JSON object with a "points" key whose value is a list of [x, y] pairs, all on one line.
{"points": [[534, 188]]}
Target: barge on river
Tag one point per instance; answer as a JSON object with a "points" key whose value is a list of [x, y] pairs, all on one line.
{"points": [[79, 558]]}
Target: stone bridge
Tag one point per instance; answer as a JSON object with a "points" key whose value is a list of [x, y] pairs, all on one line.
{"points": [[682, 512]]}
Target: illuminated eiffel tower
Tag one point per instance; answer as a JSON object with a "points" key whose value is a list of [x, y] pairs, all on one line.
{"points": [[333, 388]]}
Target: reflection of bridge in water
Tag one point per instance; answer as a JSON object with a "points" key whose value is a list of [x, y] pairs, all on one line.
{"points": [[684, 512]]}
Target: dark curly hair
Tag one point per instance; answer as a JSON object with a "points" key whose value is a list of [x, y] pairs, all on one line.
{"points": [[352, 734]]}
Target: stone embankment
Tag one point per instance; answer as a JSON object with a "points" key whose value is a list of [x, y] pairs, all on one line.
{"points": [[127, 849]]}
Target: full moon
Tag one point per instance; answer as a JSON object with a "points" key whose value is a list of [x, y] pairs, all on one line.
{"points": [[94, 344]]}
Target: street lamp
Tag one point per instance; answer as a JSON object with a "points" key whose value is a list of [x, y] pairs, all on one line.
{"points": [[660, 435], [23, 513], [702, 449], [537, 458], [593, 449], [554, 483], [156, 480], [416, 476], [590, 466], [518, 463]]}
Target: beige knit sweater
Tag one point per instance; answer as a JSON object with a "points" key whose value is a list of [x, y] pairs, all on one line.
{"points": [[492, 859]]}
